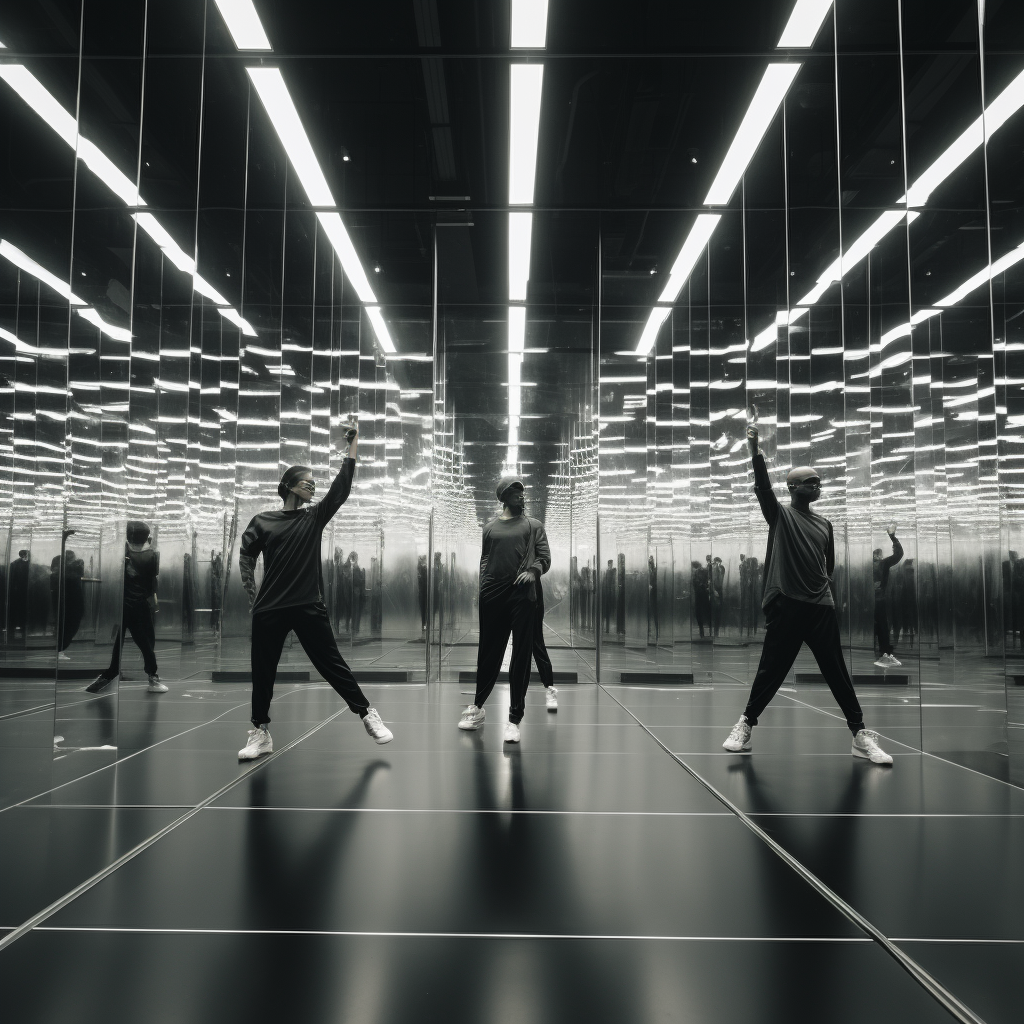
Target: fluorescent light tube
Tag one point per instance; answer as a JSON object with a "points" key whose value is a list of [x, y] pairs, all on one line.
{"points": [[103, 167], [924, 314], [520, 231], [516, 330], [903, 331], [29, 265], [380, 328], [31, 90], [804, 23], [770, 93], [335, 230], [1001, 264], [270, 86], [525, 82], [117, 333], [702, 229], [204, 287], [244, 24], [659, 314], [529, 24], [236, 319], [767, 337], [168, 246]]}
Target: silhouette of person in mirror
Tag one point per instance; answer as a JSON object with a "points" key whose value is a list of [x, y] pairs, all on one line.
{"points": [[67, 614], [700, 581], [292, 597], [17, 584], [880, 574], [608, 591], [798, 604], [138, 605]]}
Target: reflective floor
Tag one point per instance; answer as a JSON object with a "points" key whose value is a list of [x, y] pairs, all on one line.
{"points": [[587, 875]]}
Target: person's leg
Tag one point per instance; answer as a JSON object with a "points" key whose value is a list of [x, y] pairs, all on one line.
{"points": [[782, 640], [540, 649], [313, 628], [269, 630], [822, 635], [138, 620], [882, 628], [524, 612], [495, 627]]}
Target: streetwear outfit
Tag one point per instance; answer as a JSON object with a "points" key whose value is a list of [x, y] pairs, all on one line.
{"points": [[291, 596], [797, 603], [141, 569], [510, 547], [880, 570]]}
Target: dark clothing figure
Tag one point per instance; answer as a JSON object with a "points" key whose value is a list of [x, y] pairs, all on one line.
{"points": [[358, 595], [880, 572], [908, 600], [653, 624], [585, 598], [216, 588], [141, 569], [292, 596], [17, 594], [620, 596], [700, 582], [717, 591], [67, 614], [540, 648], [421, 581], [608, 592], [798, 603], [510, 547]]}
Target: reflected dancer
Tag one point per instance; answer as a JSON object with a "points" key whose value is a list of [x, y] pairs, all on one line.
{"points": [[880, 572], [291, 597], [798, 605]]}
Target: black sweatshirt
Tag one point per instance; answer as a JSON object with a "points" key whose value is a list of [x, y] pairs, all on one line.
{"points": [[801, 554], [881, 567], [290, 544], [504, 552]]}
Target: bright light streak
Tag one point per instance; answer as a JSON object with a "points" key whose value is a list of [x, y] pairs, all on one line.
{"points": [[701, 231], [924, 314], [659, 314], [516, 330], [29, 265], [117, 333], [903, 331], [339, 236], [529, 24], [1001, 264], [380, 328], [31, 90], [804, 23], [167, 245], [273, 91], [767, 337], [104, 168], [204, 287], [35, 350], [520, 231], [525, 82], [770, 93], [244, 24], [238, 321]]}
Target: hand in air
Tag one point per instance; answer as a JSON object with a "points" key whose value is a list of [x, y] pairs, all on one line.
{"points": [[351, 434], [752, 438], [891, 529]]}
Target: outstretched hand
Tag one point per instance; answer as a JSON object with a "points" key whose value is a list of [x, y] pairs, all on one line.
{"points": [[752, 438]]}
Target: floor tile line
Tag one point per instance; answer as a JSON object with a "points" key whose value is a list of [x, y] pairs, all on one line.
{"points": [[927, 753], [449, 935], [28, 711], [475, 810], [69, 897], [938, 991]]}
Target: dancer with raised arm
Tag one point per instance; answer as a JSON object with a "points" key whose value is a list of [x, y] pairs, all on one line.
{"points": [[514, 556], [880, 573], [798, 605], [292, 597]]}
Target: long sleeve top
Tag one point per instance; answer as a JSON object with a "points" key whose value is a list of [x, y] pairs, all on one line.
{"points": [[801, 555], [289, 540], [506, 552], [881, 567]]}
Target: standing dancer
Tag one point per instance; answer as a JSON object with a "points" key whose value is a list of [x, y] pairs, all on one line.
{"points": [[515, 555], [798, 605], [880, 572], [540, 653], [292, 597]]}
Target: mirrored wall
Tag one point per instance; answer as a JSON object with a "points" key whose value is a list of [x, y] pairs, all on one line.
{"points": [[218, 252]]}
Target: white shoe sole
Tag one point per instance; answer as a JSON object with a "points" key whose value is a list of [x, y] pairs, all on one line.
{"points": [[381, 740], [867, 757], [737, 750], [470, 726], [253, 757], [509, 739]]}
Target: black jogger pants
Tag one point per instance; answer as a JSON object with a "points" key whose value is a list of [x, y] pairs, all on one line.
{"points": [[788, 624], [313, 628], [136, 619], [540, 649], [882, 633], [510, 612]]}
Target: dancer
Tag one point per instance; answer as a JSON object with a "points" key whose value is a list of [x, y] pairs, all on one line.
{"points": [[292, 597], [880, 572], [139, 604], [700, 581], [540, 653], [514, 556], [798, 605]]}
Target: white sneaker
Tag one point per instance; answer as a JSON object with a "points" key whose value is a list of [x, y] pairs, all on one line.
{"points": [[511, 733], [376, 728], [739, 738], [551, 698], [894, 662], [472, 717], [155, 686], [865, 744], [63, 657], [881, 662], [259, 744]]}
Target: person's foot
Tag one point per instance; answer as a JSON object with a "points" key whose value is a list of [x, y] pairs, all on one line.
{"points": [[472, 718], [63, 657], [259, 744], [511, 733], [376, 728], [865, 744], [894, 662], [155, 686], [739, 738], [882, 661], [551, 698], [98, 684]]}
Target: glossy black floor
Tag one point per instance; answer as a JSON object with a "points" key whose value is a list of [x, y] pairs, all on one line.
{"points": [[585, 875]]}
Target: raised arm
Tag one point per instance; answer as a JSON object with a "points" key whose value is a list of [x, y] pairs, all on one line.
{"points": [[341, 485], [762, 481], [897, 550]]}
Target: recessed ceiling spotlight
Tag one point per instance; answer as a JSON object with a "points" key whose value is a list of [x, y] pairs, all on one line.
{"points": [[376, 269], [345, 156], [653, 271]]}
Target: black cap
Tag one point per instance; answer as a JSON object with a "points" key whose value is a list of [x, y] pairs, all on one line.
{"points": [[506, 482]]}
